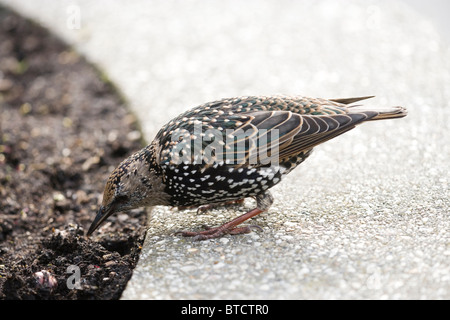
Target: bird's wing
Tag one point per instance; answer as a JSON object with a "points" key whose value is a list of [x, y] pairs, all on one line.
{"points": [[284, 134], [255, 128], [253, 137], [260, 135], [235, 139], [320, 128]]}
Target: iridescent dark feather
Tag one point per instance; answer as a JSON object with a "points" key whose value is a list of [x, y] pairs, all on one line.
{"points": [[301, 123]]}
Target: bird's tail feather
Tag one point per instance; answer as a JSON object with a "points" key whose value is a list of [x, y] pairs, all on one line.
{"points": [[382, 114], [374, 114]]}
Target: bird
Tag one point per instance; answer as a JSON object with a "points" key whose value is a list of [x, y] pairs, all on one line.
{"points": [[227, 150]]}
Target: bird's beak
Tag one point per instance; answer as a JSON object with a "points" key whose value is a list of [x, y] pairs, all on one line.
{"points": [[102, 214]]}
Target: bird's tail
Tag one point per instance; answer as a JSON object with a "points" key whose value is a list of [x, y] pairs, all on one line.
{"points": [[372, 114], [382, 113]]}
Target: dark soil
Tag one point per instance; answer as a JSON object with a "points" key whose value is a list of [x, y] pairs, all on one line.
{"points": [[63, 129]]}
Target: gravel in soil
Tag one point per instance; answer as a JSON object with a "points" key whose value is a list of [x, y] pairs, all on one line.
{"points": [[63, 129]]}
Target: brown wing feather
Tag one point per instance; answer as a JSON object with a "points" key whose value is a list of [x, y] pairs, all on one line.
{"points": [[261, 132], [318, 129], [288, 133]]}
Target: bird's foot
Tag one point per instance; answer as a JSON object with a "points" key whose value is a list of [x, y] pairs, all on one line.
{"points": [[230, 227], [217, 232]]}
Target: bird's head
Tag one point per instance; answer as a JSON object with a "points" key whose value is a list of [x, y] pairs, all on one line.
{"points": [[133, 184]]}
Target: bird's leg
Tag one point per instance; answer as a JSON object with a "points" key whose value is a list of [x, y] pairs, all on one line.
{"points": [[263, 203]]}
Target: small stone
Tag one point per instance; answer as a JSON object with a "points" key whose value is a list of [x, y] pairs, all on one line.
{"points": [[44, 279], [107, 256], [110, 264], [58, 197]]}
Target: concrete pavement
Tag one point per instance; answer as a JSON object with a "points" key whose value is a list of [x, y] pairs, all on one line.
{"points": [[366, 216]]}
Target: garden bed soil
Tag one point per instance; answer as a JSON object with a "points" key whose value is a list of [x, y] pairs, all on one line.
{"points": [[63, 129]]}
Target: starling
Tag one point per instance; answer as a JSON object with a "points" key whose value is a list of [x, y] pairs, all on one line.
{"points": [[227, 150]]}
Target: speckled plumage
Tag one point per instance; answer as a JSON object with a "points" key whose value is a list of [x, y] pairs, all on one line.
{"points": [[181, 168]]}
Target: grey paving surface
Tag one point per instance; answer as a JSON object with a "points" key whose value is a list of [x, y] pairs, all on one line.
{"points": [[366, 216]]}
